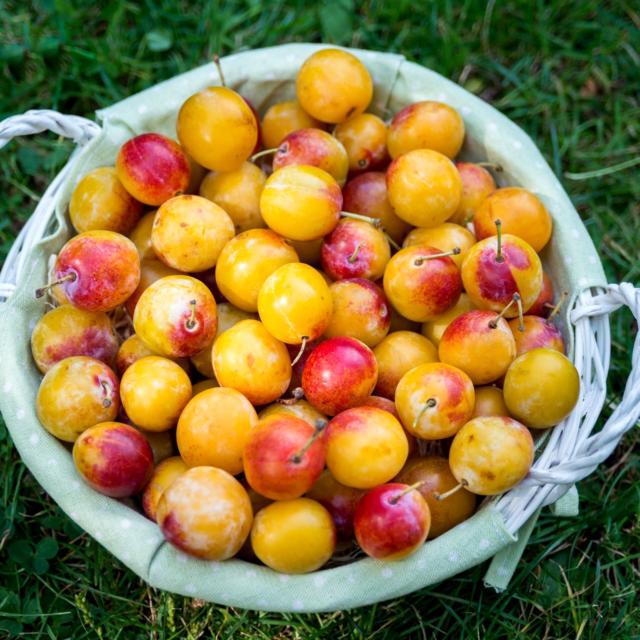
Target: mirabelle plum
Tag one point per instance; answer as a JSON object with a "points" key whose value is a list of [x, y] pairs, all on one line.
{"points": [[522, 214], [398, 353], [66, 331], [491, 454], [293, 536], [366, 446], [300, 408], [163, 476], [489, 402], [434, 400], [75, 394], [480, 343], [114, 458], [360, 311], [176, 316], [365, 139], [238, 193], [284, 118], [141, 236], [541, 388], [446, 236], [426, 125], [133, 349], [535, 332], [189, 522], [154, 391], [301, 202], [542, 305], [150, 271], [153, 168], [435, 476], [249, 359], [295, 303], [99, 201], [217, 128], [333, 85], [189, 233], [214, 428], [424, 187]]}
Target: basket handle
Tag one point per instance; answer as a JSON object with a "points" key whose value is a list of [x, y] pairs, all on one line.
{"points": [[81, 131], [599, 446]]}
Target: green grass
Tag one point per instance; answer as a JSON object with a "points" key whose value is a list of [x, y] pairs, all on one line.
{"points": [[567, 72]]}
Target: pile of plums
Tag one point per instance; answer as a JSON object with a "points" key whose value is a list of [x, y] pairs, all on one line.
{"points": [[343, 332]]}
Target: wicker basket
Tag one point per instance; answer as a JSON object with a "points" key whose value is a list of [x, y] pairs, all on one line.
{"points": [[571, 451]]}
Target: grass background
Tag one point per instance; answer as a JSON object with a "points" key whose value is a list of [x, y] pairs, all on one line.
{"points": [[567, 72]]}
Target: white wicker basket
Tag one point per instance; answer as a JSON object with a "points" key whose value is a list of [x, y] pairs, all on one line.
{"points": [[572, 450]]}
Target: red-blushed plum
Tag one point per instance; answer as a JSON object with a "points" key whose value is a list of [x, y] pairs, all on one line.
{"points": [[480, 343], [360, 310], [435, 478], [75, 394], [96, 270], [539, 307], [498, 267], [366, 446], [316, 148], [365, 139], [477, 184], [66, 331], [537, 332], [339, 500], [355, 249], [284, 455], [421, 283], [206, 513], [153, 168], [366, 195], [339, 373], [434, 400], [176, 316], [114, 459], [391, 521], [163, 475], [435, 328], [489, 455]]}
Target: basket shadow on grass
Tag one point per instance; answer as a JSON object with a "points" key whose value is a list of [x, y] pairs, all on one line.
{"points": [[577, 576]]}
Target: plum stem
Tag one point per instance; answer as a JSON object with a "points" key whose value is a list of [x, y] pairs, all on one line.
{"points": [[354, 256], [216, 61], [264, 152], [404, 492], [520, 312], [391, 241], [296, 394], [493, 324], [556, 308], [321, 425], [490, 165], [443, 496], [70, 277], [192, 321], [429, 404], [107, 391], [303, 345], [444, 254], [499, 256], [376, 222]]}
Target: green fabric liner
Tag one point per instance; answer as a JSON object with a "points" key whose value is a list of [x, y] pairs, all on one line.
{"points": [[266, 76]]}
